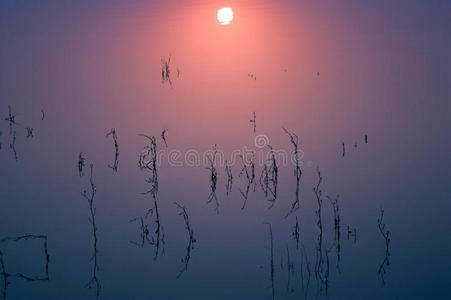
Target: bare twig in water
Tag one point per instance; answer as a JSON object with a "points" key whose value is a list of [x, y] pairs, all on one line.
{"points": [[271, 259], [192, 240], [264, 180], [337, 233], [297, 171], [42, 114], [290, 270], [366, 139], [11, 119], [295, 233], [166, 70], [228, 170], [145, 233], [305, 261], [30, 132], [319, 265], [148, 162], [12, 144], [250, 176], [386, 235], [94, 282], [352, 233], [81, 164], [5, 275], [213, 179], [252, 76], [254, 123], [112, 132], [273, 177], [163, 136], [343, 149]]}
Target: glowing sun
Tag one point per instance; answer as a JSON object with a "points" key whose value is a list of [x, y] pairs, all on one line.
{"points": [[225, 15]]}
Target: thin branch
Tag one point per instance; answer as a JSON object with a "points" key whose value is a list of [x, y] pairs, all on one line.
{"points": [[112, 132], [213, 179], [94, 282], [192, 240]]}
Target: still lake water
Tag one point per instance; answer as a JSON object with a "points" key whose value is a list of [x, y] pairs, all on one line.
{"points": [[330, 72]]}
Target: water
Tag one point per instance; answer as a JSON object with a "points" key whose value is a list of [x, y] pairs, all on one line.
{"points": [[329, 72]]}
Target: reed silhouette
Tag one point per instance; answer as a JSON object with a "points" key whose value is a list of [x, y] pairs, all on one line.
{"points": [[6, 275], [191, 242], [305, 262], [112, 133], [297, 171], [12, 144], [11, 119], [290, 270], [213, 179], [163, 137], [352, 233], [81, 164], [386, 235], [337, 234], [295, 233], [148, 162], [252, 76], [144, 234], [30, 132], [321, 266], [89, 197], [271, 261], [250, 177], [269, 178], [166, 70], [228, 170], [254, 122], [343, 149]]}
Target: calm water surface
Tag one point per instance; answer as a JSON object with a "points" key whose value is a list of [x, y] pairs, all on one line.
{"points": [[330, 72]]}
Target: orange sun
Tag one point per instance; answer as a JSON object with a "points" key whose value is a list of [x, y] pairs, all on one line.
{"points": [[225, 15]]}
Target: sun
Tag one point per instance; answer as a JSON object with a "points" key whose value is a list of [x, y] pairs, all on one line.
{"points": [[225, 15]]}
